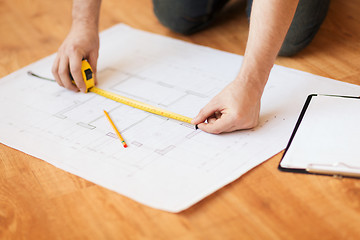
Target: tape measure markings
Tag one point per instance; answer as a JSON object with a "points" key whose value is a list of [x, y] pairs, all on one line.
{"points": [[139, 105]]}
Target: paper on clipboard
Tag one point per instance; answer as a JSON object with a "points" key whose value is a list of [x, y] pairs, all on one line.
{"points": [[326, 137]]}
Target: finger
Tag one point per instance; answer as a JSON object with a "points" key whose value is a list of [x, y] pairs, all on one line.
{"points": [[205, 113], [223, 124], [55, 71], [64, 73], [75, 69]]}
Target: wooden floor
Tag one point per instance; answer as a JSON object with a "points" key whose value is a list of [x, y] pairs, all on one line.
{"points": [[39, 201]]}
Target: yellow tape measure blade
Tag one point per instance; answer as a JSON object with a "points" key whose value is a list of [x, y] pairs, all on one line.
{"points": [[140, 105], [88, 77]]}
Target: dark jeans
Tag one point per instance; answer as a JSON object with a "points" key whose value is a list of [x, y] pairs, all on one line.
{"points": [[190, 16]]}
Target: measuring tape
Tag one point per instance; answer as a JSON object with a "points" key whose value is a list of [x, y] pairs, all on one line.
{"points": [[90, 87], [139, 105], [88, 77]]}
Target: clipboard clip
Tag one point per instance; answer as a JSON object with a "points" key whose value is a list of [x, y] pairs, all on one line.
{"points": [[337, 169]]}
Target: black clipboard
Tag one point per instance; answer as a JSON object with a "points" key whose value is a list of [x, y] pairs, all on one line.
{"points": [[314, 164]]}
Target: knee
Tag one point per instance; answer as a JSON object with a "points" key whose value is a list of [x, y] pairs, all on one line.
{"points": [[177, 17], [290, 48], [173, 22], [307, 20], [295, 41]]}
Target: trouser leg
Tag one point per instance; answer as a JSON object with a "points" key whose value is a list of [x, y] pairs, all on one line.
{"points": [[307, 20], [187, 16]]}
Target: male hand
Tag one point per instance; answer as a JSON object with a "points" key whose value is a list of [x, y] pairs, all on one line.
{"points": [[81, 43], [236, 107]]}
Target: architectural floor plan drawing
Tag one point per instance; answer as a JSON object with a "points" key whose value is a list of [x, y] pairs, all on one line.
{"points": [[168, 165]]}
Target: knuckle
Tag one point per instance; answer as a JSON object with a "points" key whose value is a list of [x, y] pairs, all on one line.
{"points": [[71, 49]]}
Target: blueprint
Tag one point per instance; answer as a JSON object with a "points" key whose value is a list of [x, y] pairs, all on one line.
{"points": [[168, 165]]}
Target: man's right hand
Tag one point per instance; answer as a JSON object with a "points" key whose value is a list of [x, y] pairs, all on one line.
{"points": [[81, 43]]}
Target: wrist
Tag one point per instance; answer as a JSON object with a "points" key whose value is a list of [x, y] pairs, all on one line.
{"points": [[85, 25], [81, 30], [253, 78], [85, 14]]}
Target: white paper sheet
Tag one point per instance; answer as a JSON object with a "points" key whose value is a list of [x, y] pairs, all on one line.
{"points": [[167, 165], [328, 135]]}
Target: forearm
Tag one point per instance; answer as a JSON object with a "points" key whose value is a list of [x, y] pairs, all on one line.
{"points": [[269, 23], [85, 13]]}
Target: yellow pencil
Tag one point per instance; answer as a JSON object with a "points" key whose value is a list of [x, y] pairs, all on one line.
{"points": [[117, 131]]}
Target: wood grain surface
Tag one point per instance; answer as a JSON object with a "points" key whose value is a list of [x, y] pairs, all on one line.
{"points": [[39, 201]]}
